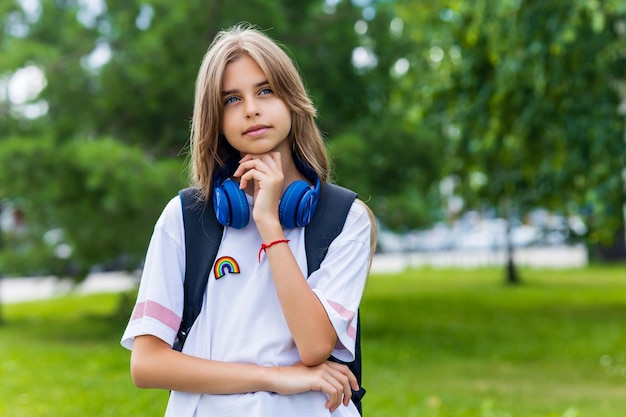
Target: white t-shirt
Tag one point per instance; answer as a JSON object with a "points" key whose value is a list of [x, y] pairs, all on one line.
{"points": [[241, 319]]}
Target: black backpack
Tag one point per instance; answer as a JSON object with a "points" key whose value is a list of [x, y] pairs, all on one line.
{"points": [[203, 235]]}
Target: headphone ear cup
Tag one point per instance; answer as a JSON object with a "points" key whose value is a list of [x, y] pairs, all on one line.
{"points": [[306, 208], [298, 204], [231, 205], [221, 206], [288, 207]]}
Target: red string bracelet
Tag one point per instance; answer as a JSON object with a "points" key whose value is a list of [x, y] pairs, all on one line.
{"points": [[264, 246]]}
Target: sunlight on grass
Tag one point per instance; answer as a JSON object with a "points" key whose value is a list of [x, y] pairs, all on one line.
{"points": [[462, 343], [62, 358], [436, 343]]}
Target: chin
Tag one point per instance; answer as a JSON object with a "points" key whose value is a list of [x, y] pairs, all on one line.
{"points": [[262, 149]]}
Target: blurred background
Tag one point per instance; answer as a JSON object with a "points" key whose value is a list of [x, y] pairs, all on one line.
{"points": [[481, 133], [465, 125]]}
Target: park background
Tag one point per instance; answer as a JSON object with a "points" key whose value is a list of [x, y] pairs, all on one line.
{"points": [[494, 119]]}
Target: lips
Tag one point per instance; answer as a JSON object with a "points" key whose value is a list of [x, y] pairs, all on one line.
{"points": [[256, 130]]}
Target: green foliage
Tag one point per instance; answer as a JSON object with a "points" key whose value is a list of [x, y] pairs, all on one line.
{"points": [[516, 100], [436, 343], [529, 104], [393, 167], [386, 154], [143, 95], [84, 203]]}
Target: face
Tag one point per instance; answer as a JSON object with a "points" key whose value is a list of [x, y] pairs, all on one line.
{"points": [[255, 120]]}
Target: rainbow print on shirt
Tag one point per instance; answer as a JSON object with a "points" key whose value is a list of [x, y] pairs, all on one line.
{"points": [[224, 265]]}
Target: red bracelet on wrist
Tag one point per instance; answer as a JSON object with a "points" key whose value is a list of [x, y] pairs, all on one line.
{"points": [[264, 246]]}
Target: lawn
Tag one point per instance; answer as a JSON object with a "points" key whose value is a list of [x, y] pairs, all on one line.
{"points": [[436, 343]]}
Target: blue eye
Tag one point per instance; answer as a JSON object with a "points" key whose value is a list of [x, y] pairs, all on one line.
{"points": [[265, 91], [231, 99]]}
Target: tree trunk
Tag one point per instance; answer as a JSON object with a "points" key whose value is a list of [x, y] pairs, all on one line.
{"points": [[512, 277]]}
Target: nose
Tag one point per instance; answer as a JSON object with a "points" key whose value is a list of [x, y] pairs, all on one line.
{"points": [[252, 108]]}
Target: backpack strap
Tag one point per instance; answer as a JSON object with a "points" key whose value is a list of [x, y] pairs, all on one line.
{"points": [[327, 223], [203, 235]]}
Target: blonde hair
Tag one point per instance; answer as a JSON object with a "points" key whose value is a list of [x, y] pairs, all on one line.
{"points": [[373, 230], [209, 148]]}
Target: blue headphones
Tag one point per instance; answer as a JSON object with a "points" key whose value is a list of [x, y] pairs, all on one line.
{"points": [[296, 207]]}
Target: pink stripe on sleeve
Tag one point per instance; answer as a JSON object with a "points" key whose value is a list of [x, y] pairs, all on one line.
{"points": [[348, 315], [158, 312]]}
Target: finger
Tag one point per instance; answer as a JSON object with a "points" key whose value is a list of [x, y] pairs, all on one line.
{"points": [[343, 378], [276, 159], [251, 175], [354, 384], [327, 390], [271, 160], [250, 164], [347, 378], [261, 156], [334, 393], [243, 183]]}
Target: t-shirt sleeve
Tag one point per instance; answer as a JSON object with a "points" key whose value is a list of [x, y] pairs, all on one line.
{"points": [[159, 305], [340, 281]]}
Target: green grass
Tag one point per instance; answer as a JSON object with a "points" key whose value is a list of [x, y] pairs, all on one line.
{"points": [[457, 343], [436, 343]]}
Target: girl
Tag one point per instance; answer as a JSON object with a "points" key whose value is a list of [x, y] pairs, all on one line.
{"points": [[261, 347]]}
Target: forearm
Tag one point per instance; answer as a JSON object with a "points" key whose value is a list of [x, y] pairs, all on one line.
{"points": [[155, 365], [306, 317]]}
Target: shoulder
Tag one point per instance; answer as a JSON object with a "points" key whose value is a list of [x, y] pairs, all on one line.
{"points": [[171, 220], [366, 217], [360, 221], [357, 208], [337, 192], [359, 216], [172, 210]]}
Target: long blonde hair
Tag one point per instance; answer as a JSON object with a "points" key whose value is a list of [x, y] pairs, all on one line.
{"points": [[209, 148]]}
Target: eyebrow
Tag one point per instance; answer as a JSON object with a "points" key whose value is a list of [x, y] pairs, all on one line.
{"points": [[233, 91]]}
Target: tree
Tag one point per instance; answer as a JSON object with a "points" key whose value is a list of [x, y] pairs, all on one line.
{"points": [[115, 104], [85, 203], [389, 155], [127, 69], [528, 107]]}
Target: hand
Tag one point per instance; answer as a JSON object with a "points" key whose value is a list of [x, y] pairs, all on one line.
{"points": [[266, 172], [333, 379]]}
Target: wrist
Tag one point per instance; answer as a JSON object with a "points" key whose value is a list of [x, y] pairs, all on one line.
{"points": [[270, 376], [265, 246], [270, 230]]}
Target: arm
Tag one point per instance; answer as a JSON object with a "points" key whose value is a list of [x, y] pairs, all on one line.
{"points": [[308, 322], [306, 317], [154, 364]]}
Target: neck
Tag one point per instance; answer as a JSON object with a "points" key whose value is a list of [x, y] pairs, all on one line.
{"points": [[290, 172]]}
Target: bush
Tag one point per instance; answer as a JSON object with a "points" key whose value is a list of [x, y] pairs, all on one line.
{"points": [[85, 203]]}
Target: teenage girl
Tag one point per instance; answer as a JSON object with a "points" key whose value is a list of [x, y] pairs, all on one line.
{"points": [[261, 346]]}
